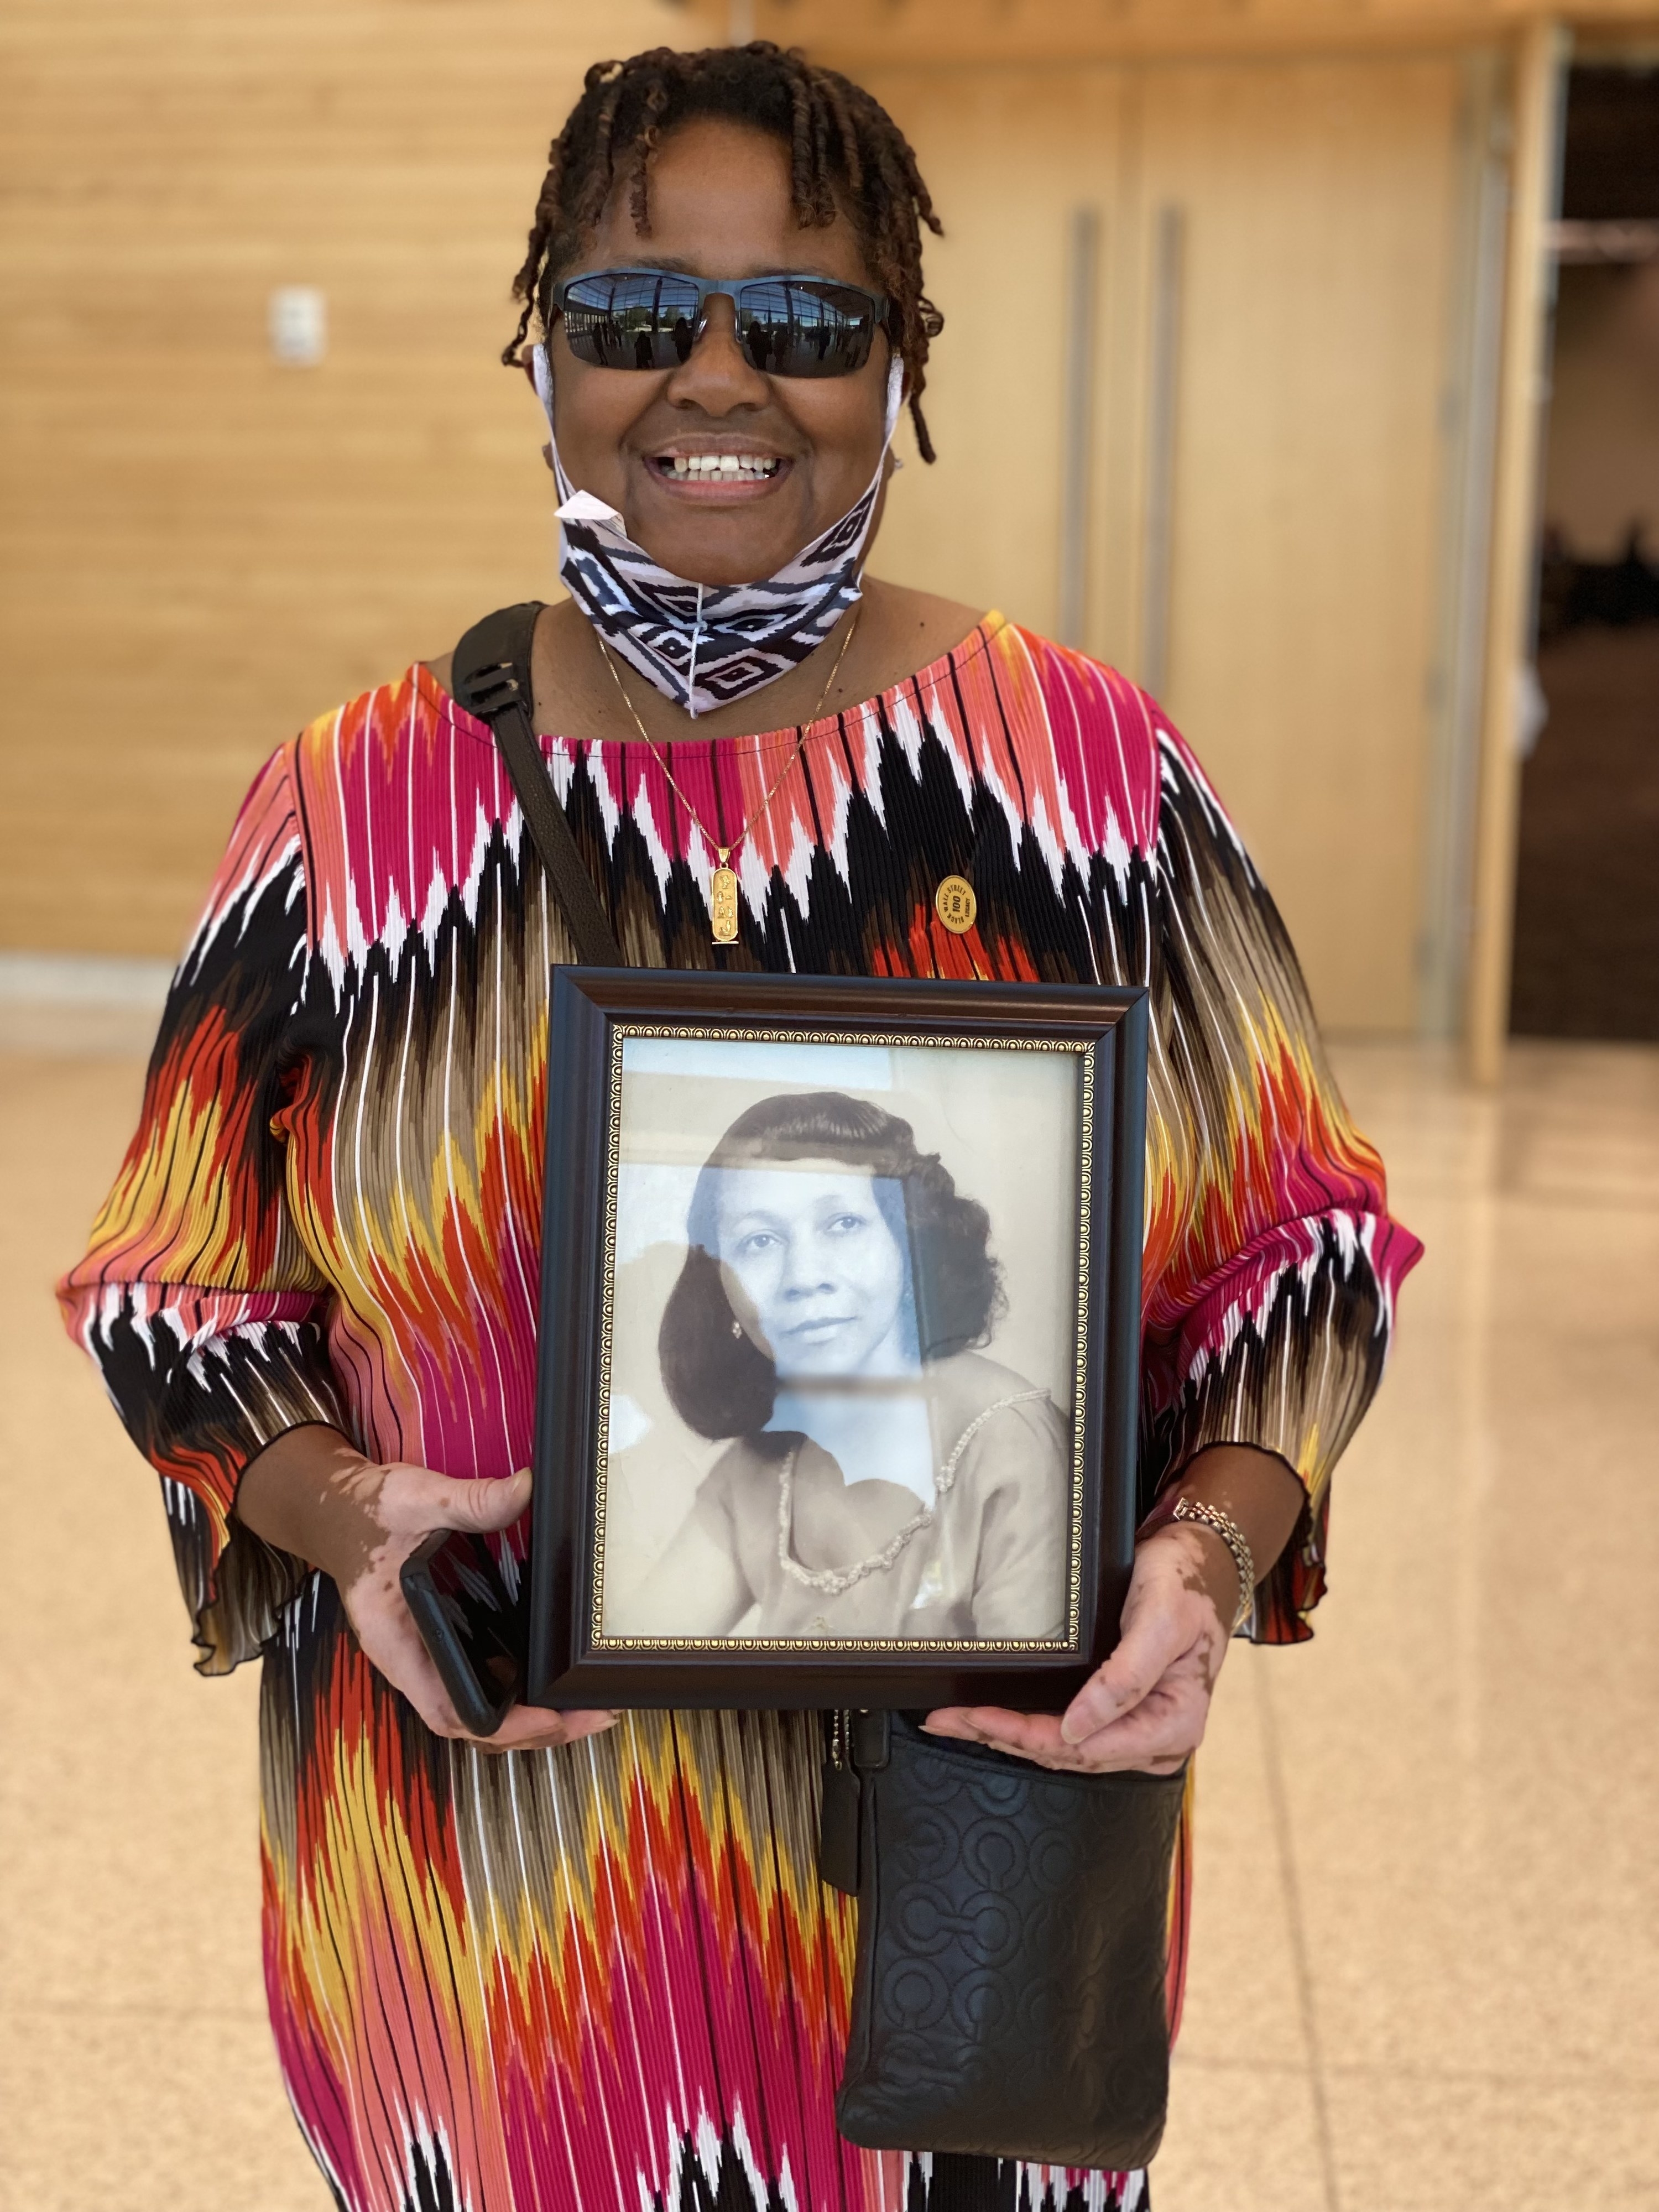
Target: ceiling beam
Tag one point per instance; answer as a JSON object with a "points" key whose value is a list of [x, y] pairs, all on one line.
{"points": [[935, 34]]}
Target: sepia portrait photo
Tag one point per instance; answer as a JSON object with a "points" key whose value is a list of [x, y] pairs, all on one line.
{"points": [[840, 1379]]}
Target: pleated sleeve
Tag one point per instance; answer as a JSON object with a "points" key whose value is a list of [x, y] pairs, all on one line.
{"points": [[1272, 1262], [196, 1299]]}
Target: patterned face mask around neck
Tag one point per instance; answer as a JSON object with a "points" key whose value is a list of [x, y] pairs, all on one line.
{"points": [[704, 646]]}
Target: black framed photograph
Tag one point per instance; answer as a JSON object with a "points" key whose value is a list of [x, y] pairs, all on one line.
{"points": [[838, 1370]]}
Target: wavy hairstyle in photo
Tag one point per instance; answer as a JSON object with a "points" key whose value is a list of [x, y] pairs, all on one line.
{"points": [[722, 1384]]}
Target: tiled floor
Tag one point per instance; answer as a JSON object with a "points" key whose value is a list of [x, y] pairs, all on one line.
{"points": [[1426, 1958], [1426, 1968]]}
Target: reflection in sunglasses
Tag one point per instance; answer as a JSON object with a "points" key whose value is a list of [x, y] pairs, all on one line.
{"points": [[651, 319]]}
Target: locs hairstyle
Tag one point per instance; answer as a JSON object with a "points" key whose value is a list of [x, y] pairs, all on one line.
{"points": [[846, 155], [725, 1386]]}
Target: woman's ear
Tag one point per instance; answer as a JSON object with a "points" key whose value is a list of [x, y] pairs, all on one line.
{"points": [[528, 363]]}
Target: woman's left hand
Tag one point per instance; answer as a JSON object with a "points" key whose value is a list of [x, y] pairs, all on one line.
{"points": [[1147, 1705]]}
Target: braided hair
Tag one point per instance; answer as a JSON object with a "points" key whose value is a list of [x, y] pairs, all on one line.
{"points": [[846, 154]]}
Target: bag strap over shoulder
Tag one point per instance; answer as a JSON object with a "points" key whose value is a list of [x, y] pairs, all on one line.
{"points": [[491, 679]]}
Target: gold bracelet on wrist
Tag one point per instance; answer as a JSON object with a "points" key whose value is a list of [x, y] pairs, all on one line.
{"points": [[1223, 1525]]}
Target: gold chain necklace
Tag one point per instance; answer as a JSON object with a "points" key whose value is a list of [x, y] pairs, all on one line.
{"points": [[723, 884]]}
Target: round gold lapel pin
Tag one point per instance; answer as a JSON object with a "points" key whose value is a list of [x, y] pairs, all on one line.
{"points": [[954, 904]]}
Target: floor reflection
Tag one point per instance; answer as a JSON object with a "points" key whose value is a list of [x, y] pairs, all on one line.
{"points": [[1427, 1961]]}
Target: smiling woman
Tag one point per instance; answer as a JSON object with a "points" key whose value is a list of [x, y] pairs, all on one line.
{"points": [[588, 1963]]}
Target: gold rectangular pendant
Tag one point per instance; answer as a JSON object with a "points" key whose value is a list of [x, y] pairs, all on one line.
{"points": [[723, 905]]}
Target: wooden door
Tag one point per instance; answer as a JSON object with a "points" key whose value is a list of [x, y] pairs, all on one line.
{"points": [[1317, 208]]}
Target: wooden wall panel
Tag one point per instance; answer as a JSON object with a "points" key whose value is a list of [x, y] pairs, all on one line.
{"points": [[861, 35], [1319, 200], [201, 549], [1007, 156], [1320, 204]]}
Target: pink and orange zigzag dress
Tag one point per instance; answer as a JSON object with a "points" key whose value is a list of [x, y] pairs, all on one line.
{"points": [[608, 1978]]}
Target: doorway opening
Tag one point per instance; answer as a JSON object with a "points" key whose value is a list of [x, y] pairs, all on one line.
{"points": [[1586, 888]]}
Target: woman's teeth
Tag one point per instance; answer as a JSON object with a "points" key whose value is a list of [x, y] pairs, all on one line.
{"points": [[711, 468]]}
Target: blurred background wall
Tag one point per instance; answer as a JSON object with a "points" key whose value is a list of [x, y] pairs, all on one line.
{"points": [[1587, 880], [1603, 474], [1245, 312], [1602, 470], [1271, 339], [203, 548]]}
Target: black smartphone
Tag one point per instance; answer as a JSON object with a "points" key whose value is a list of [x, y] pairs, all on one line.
{"points": [[470, 1623]]}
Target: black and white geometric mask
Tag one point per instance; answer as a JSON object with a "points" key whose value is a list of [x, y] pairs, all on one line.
{"points": [[705, 644]]}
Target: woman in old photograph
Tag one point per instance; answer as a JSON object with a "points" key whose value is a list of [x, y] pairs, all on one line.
{"points": [[588, 1963], [885, 1477]]}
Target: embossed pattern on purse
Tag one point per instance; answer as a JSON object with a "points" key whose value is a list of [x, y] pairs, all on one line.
{"points": [[1009, 1993]]}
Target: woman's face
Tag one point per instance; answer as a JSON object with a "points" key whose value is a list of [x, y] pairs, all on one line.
{"points": [[721, 207], [811, 1269]]}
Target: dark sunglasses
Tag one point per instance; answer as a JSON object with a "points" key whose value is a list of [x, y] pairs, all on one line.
{"points": [[652, 318]]}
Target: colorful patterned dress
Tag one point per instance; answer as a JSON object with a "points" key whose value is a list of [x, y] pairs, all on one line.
{"points": [[607, 1976]]}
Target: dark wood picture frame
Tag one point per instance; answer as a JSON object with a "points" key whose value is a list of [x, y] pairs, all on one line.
{"points": [[571, 1664]]}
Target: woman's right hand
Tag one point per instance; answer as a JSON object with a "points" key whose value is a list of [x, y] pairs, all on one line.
{"points": [[312, 1492]]}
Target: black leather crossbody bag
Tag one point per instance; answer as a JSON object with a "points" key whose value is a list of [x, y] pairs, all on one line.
{"points": [[1008, 1995], [1008, 1998]]}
